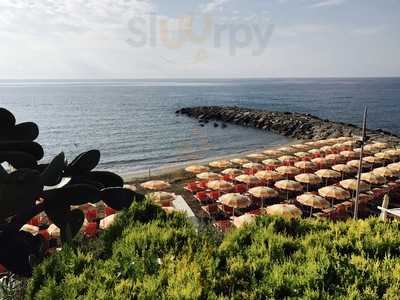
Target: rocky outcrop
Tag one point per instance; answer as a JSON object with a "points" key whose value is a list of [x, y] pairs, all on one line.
{"points": [[289, 124]]}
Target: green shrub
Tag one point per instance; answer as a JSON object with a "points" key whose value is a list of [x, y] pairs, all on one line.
{"points": [[150, 255]]}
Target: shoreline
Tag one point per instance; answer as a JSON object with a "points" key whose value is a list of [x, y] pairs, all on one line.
{"points": [[166, 171]]}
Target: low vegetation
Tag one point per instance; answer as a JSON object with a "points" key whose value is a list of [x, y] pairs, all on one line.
{"points": [[150, 255]]}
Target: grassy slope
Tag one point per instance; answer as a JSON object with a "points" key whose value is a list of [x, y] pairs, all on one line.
{"points": [[149, 255]]}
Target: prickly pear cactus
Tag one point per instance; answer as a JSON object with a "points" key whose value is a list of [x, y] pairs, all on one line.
{"points": [[54, 188]]}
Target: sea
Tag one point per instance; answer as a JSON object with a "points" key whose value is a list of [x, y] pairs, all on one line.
{"points": [[134, 125]]}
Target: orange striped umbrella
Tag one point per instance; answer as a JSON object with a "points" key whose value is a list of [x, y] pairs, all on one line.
{"points": [[268, 175], [385, 172], [273, 153], [351, 184], [314, 201], [334, 192], [395, 167], [155, 185], [288, 170], [284, 210], [289, 185], [232, 172], [349, 154], [235, 200], [263, 192], [239, 161], [195, 169], [208, 176], [219, 185], [373, 178], [373, 160], [327, 173], [308, 178], [272, 162], [220, 164], [248, 179], [344, 169], [256, 166], [256, 156], [288, 158], [305, 165]]}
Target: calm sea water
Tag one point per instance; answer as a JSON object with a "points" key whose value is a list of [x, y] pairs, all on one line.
{"points": [[134, 125]]}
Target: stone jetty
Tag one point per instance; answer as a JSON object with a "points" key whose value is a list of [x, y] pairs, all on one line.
{"points": [[290, 124]]}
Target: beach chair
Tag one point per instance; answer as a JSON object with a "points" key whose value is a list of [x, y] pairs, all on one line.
{"points": [[240, 188], [211, 209], [202, 185], [202, 197], [90, 230], [91, 215], [191, 187], [214, 195], [227, 178]]}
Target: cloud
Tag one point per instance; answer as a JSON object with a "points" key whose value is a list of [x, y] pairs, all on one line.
{"points": [[366, 31], [326, 3], [294, 31], [214, 5], [73, 16]]}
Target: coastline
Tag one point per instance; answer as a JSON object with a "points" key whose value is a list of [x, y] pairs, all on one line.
{"points": [[176, 170]]}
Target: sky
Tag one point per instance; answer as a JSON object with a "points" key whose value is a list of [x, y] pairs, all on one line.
{"points": [[103, 39]]}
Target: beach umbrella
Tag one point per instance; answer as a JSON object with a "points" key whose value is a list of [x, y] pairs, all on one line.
{"points": [[355, 163], [313, 201], [220, 164], [334, 158], [384, 155], [327, 173], [243, 220], [338, 147], [385, 172], [155, 185], [302, 154], [288, 159], [256, 156], [379, 145], [289, 186], [349, 154], [305, 165], [301, 147], [393, 153], [395, 167], [327, 149], [255, 166], [284, 210], [334, 192], [365, 152], [263, 193], [316, 151], [373, 178], [350, 144], [342, 168], [208, 176], [195, 169], [311, 144], [351, 184], [308, 179], [232, 172], [287, 150], [235, 200], [374, 160], [248, 179], [268, 175], [273, 153], [371, 149], [162, 197], [288, 170], [321, 162], [272, 162], [219, 185], [239, 161]]}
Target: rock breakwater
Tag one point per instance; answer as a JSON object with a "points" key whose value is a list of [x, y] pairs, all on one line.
{"points": [[290, 124]]}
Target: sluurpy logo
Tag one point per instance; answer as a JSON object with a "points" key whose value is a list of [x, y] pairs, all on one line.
{"points": [[203, 32]]}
